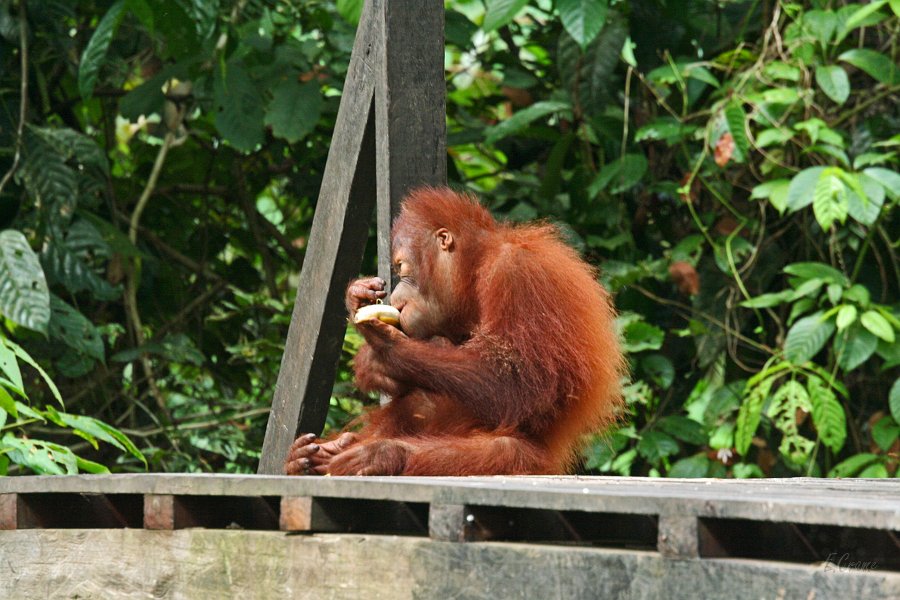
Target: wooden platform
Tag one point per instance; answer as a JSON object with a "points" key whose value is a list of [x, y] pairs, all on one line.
{"points": [[210, 536]]}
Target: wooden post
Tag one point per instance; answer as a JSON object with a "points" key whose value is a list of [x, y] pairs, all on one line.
{"points": [[389, 137]]}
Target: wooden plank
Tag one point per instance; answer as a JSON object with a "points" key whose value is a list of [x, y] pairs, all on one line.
{"points": [[410, 108], [447, 522], [334, 252], [9, 511], [678, 536], [850, 503], [199, 563]]}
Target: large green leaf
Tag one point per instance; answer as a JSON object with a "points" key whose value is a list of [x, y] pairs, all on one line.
{"points": [[583, 19], [890, 180], [854, 347], [64, 267], [9, 369], [38, 456], [802, 189], [830, 201], [102, 431], [500, 12], [525, 117], [866, 208], [74, 329], [834, 82], [853, 465], [49, 180], [749, 415], [683, 428], [294, 109], [736, 119], [239, 111], [828, 415], [807, 337], [73, 145], [24, 297], [817, 270], [878, 325], [874, 63], [95, 54], [589, 75]]}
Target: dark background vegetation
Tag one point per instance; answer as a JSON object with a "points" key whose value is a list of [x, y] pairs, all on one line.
{"points": [[731, 168]]}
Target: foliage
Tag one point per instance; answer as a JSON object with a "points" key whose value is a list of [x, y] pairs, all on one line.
{"points": [[732, 169]]}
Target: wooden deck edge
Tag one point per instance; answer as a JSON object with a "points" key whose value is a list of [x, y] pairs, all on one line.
{"points": [[199, 563]]}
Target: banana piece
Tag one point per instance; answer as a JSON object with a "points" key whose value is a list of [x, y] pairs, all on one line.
{"points": [[383, 312]]}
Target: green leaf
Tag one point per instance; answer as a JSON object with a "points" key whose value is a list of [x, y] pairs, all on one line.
{"points": [[736, 119], [350, 10], [874, 471], [828, 415], [845, 317], [885, 432], [861, 16], [830, 201], [9, 367], [768, 300], [878, 325], [817, 270], [62, 266], [773, 136], [239, 112], [583, 19], [776, 191], [821, 24], [102, 431], [639, 335], [866, 208], [628, 52], [26, 358], [890, 180], [659, 369], [875, 64], [802, 189], [294, 109], [74, 329], [35, 455], [24, 297], [7, 404], [853, 465], [95, 53], [619, 175], [73, 145], [834, 82], [894, 400], [895, 6], [500, 12], [806, 338], [749, 415], [590, 74], [525, 117], [683, 428], [655, 445], [690, 467], [854, 347]]}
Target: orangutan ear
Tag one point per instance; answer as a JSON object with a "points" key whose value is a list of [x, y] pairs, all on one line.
{"points": [[445, 239]]}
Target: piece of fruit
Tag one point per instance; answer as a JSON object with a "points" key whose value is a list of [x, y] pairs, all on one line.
{"points": [[383, 312]]}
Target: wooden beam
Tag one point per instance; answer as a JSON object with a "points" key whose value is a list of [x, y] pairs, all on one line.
{"points": [[410, 109], [336, 245]]}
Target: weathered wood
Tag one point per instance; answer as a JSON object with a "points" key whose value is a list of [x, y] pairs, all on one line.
{"points": [[410, 108], [447, 523], [678, 536], [333, 256], [9, 511], [849, 503], [199, 563]]}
